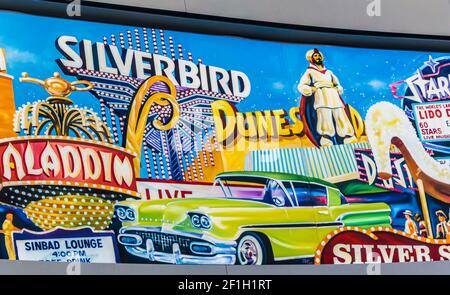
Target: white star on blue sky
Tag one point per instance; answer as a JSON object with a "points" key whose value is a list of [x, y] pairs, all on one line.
{"points": [[431, 63]]}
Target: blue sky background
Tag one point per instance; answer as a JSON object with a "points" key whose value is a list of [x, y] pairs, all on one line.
{"points": [[273, 68]]}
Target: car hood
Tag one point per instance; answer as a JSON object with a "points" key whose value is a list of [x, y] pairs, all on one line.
{"points": [[174, 211], [203, 204]]}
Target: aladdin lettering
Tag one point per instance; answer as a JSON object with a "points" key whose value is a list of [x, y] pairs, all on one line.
{"points": [[43, 160]]}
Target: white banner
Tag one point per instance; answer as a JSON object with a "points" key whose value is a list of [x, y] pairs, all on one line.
{"points": [[433, 120], [95, 247]]}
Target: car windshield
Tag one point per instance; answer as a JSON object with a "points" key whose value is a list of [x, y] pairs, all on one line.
{"points": [[259, 189]]}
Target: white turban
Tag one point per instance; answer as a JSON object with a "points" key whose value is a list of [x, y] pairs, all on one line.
{"points": [[310, 53]]}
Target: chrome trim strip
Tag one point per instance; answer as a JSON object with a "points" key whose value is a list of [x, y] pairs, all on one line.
{"points": [[343, 215], [296, 225], [182, 259]]}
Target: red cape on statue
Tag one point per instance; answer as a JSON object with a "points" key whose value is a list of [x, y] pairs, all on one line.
{"points": [[306, 106]]}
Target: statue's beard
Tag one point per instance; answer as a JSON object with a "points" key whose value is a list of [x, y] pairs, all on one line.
{"points": [[319, 62]]}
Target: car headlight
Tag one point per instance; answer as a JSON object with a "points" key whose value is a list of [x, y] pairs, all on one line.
{"points": [[205, 222], [121, 213], [195, 220], [130, 214], [200, 221], [125, 213]]}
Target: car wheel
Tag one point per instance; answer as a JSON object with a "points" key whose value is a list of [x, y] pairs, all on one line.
{"points": [[251, 250]]}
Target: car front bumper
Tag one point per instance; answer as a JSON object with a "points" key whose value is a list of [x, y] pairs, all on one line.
{"points": [[175, 247]]}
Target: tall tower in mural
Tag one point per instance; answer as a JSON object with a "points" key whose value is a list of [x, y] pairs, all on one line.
{"points": [[7, 107]]}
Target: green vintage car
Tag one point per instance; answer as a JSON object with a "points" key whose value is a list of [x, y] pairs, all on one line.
{"points": [[260, 218]]}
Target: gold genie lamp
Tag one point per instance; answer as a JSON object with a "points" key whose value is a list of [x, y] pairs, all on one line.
{"points": [[57, 115], [57, 87]]}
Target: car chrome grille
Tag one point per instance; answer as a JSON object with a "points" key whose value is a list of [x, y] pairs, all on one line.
{"points": [[163, 242]]}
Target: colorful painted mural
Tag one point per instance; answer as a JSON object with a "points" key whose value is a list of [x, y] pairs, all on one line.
{"points": [[141, 145]]}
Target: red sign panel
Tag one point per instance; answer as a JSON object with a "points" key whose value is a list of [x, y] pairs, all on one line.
{"points": [[66, 161], [351, 245]]}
